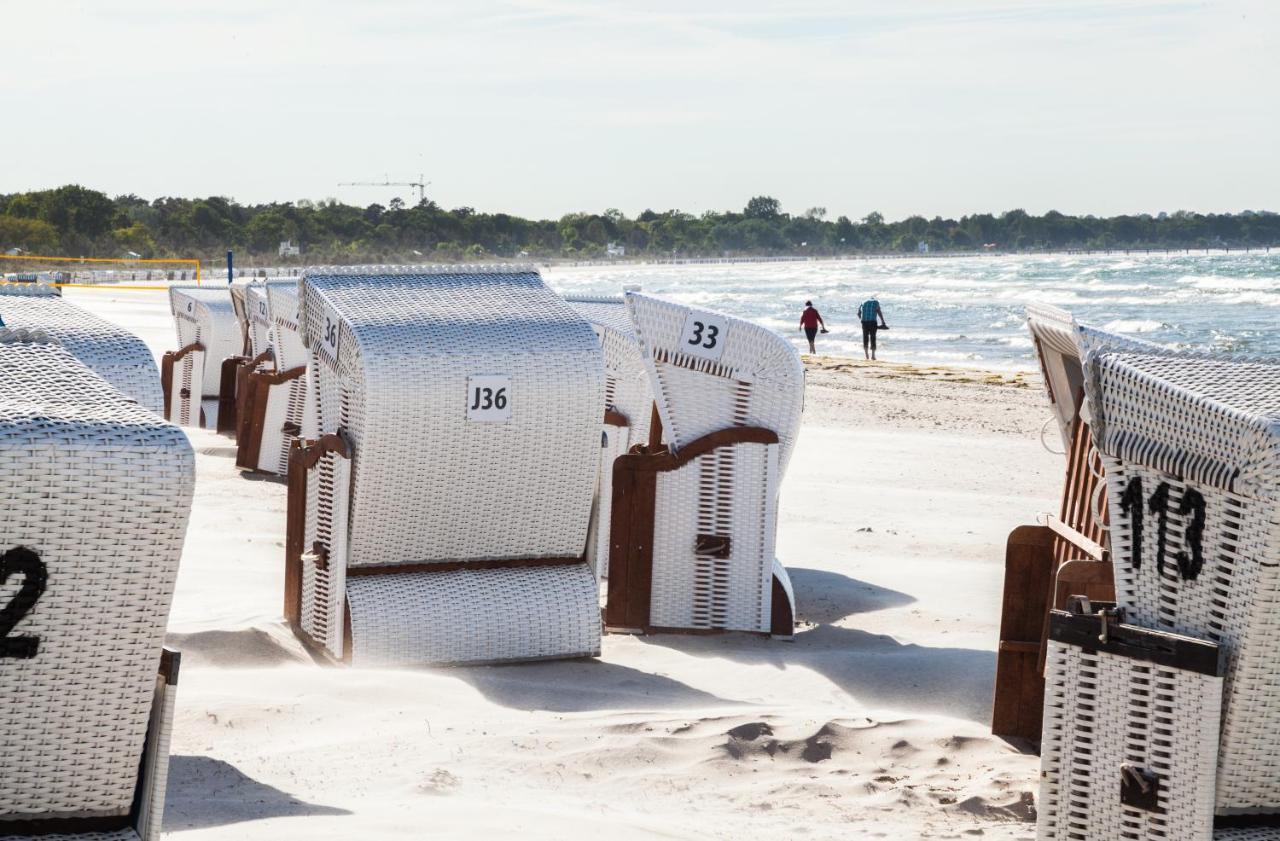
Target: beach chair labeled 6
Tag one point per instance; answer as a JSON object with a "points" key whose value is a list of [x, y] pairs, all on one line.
{"points": [[96, 496], [694, 520], [1191, 448], [628, 406], [274, 396], [116, 355], [439, 508], [208, 334]]}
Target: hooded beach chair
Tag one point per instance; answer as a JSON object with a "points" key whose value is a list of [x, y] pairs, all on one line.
{"points": [[1190, 444], [96, 496], [116, 355], [628, 405], [441, 512], [208, 334], [694, 520], [274, 392]]}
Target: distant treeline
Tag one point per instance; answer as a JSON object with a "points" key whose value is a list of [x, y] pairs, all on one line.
{"points": [[77, 221]]}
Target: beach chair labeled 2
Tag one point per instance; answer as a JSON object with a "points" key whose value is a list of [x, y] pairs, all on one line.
{"points": [[116, 355], [96, 496], [1191, 448], [694, 520], [208, 334], [628, 406], [274, 396], [1069, 554], [440, 513]]}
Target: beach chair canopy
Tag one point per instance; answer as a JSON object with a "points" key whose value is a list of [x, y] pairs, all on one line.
{"points": [[96, 496], [627, 388], [206, 315], [116, 355], [286, 336]]}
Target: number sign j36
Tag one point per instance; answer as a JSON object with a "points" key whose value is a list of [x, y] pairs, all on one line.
{"points": [[489, 398], [330, 330], [703, 335]]}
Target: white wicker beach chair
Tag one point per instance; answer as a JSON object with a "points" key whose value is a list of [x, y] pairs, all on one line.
{"points": [[441, 513], [271, 411], [1191, 448], [628, 405], [114, 354], [208, 334], [694, 522], [96, 497]]}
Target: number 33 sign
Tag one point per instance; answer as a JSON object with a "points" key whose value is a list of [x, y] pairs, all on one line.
{"points": [[489, 398], [703, 335]]}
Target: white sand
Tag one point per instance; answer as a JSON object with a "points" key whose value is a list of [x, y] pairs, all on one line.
{"points": [[872, 724]]}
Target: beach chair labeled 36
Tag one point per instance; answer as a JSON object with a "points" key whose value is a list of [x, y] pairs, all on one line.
{"points": [[97, 492], [694, 513], [441, 498]]}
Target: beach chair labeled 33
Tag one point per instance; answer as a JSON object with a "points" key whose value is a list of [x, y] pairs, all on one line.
{"points": [[97, 492], [1170, 728], [193, 376], [441, 497], [694, 512]]}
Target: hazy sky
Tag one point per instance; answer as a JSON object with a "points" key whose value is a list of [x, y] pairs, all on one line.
{"points": [[550, 106]]}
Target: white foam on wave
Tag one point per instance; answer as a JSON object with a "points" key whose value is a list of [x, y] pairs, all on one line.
{"points": [[1133, 325]]}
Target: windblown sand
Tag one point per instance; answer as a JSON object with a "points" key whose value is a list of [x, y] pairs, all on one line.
{"points": [[873, 723]]}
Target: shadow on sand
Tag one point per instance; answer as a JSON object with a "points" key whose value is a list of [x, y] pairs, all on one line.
{"points": [[824, 597], [205, 792]]}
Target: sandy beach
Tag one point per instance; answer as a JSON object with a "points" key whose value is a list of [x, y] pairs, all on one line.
{"points": [[873, 723]]}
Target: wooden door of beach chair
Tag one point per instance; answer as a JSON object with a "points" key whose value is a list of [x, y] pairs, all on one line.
{"points": [[208, 334], [1191, 449], [274, 398], [96, 497], [1068, 555], [694, 521], [441, 513], [116, 355], [628, 406]]}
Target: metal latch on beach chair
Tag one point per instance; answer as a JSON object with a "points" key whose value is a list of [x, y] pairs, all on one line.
{"points": [[1139, 788], [712, 545], [1109, 612]]}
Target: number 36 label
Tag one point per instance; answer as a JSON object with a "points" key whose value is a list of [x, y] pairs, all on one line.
{"points": [[328, 326], [703, 335], [489, 398]]}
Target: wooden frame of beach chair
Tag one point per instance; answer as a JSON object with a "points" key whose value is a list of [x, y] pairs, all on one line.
{"points": [[694, 520], [273, 401], [441, 511], [97, 494], [628, 406], [116, 355], [1069, 555], [208, 334], [1130, 731], [1191, 449]]}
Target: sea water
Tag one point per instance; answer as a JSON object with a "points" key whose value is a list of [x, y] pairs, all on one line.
{"points": [[969, 310]]}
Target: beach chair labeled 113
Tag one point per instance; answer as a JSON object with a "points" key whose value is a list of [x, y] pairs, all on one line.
{"points": [[96, 496], [441, 497], [694, 512]]}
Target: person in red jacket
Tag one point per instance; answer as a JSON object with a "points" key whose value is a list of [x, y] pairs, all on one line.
{"points": [[809, 321]]}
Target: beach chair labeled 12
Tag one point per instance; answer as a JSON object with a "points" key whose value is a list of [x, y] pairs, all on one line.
{"points": [[274, 396], [116, 355], [208, 334], [1191, 448], [628, 406], [694, 520], [96, 495], [440, 512]]}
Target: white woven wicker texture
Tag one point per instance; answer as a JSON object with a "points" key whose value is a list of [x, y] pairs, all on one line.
{"points": [[323, 589], [205, 314], [1102, 711], [627, 391], [259, 316], [757, 379], [429, 484], [100, 489], [1194, 442], [286, 402], [286, 338], [114, 354], [522, 613], [185, 403], [729, 492]]}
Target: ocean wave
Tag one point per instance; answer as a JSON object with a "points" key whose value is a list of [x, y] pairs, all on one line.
{"points": [[1134, 325]]}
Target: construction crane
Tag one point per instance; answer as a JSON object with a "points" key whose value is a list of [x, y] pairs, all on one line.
{"points": [[419, 184]]}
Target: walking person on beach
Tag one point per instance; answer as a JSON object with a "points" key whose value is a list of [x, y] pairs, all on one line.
{"points": [[809, 321], [868, 313]]}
